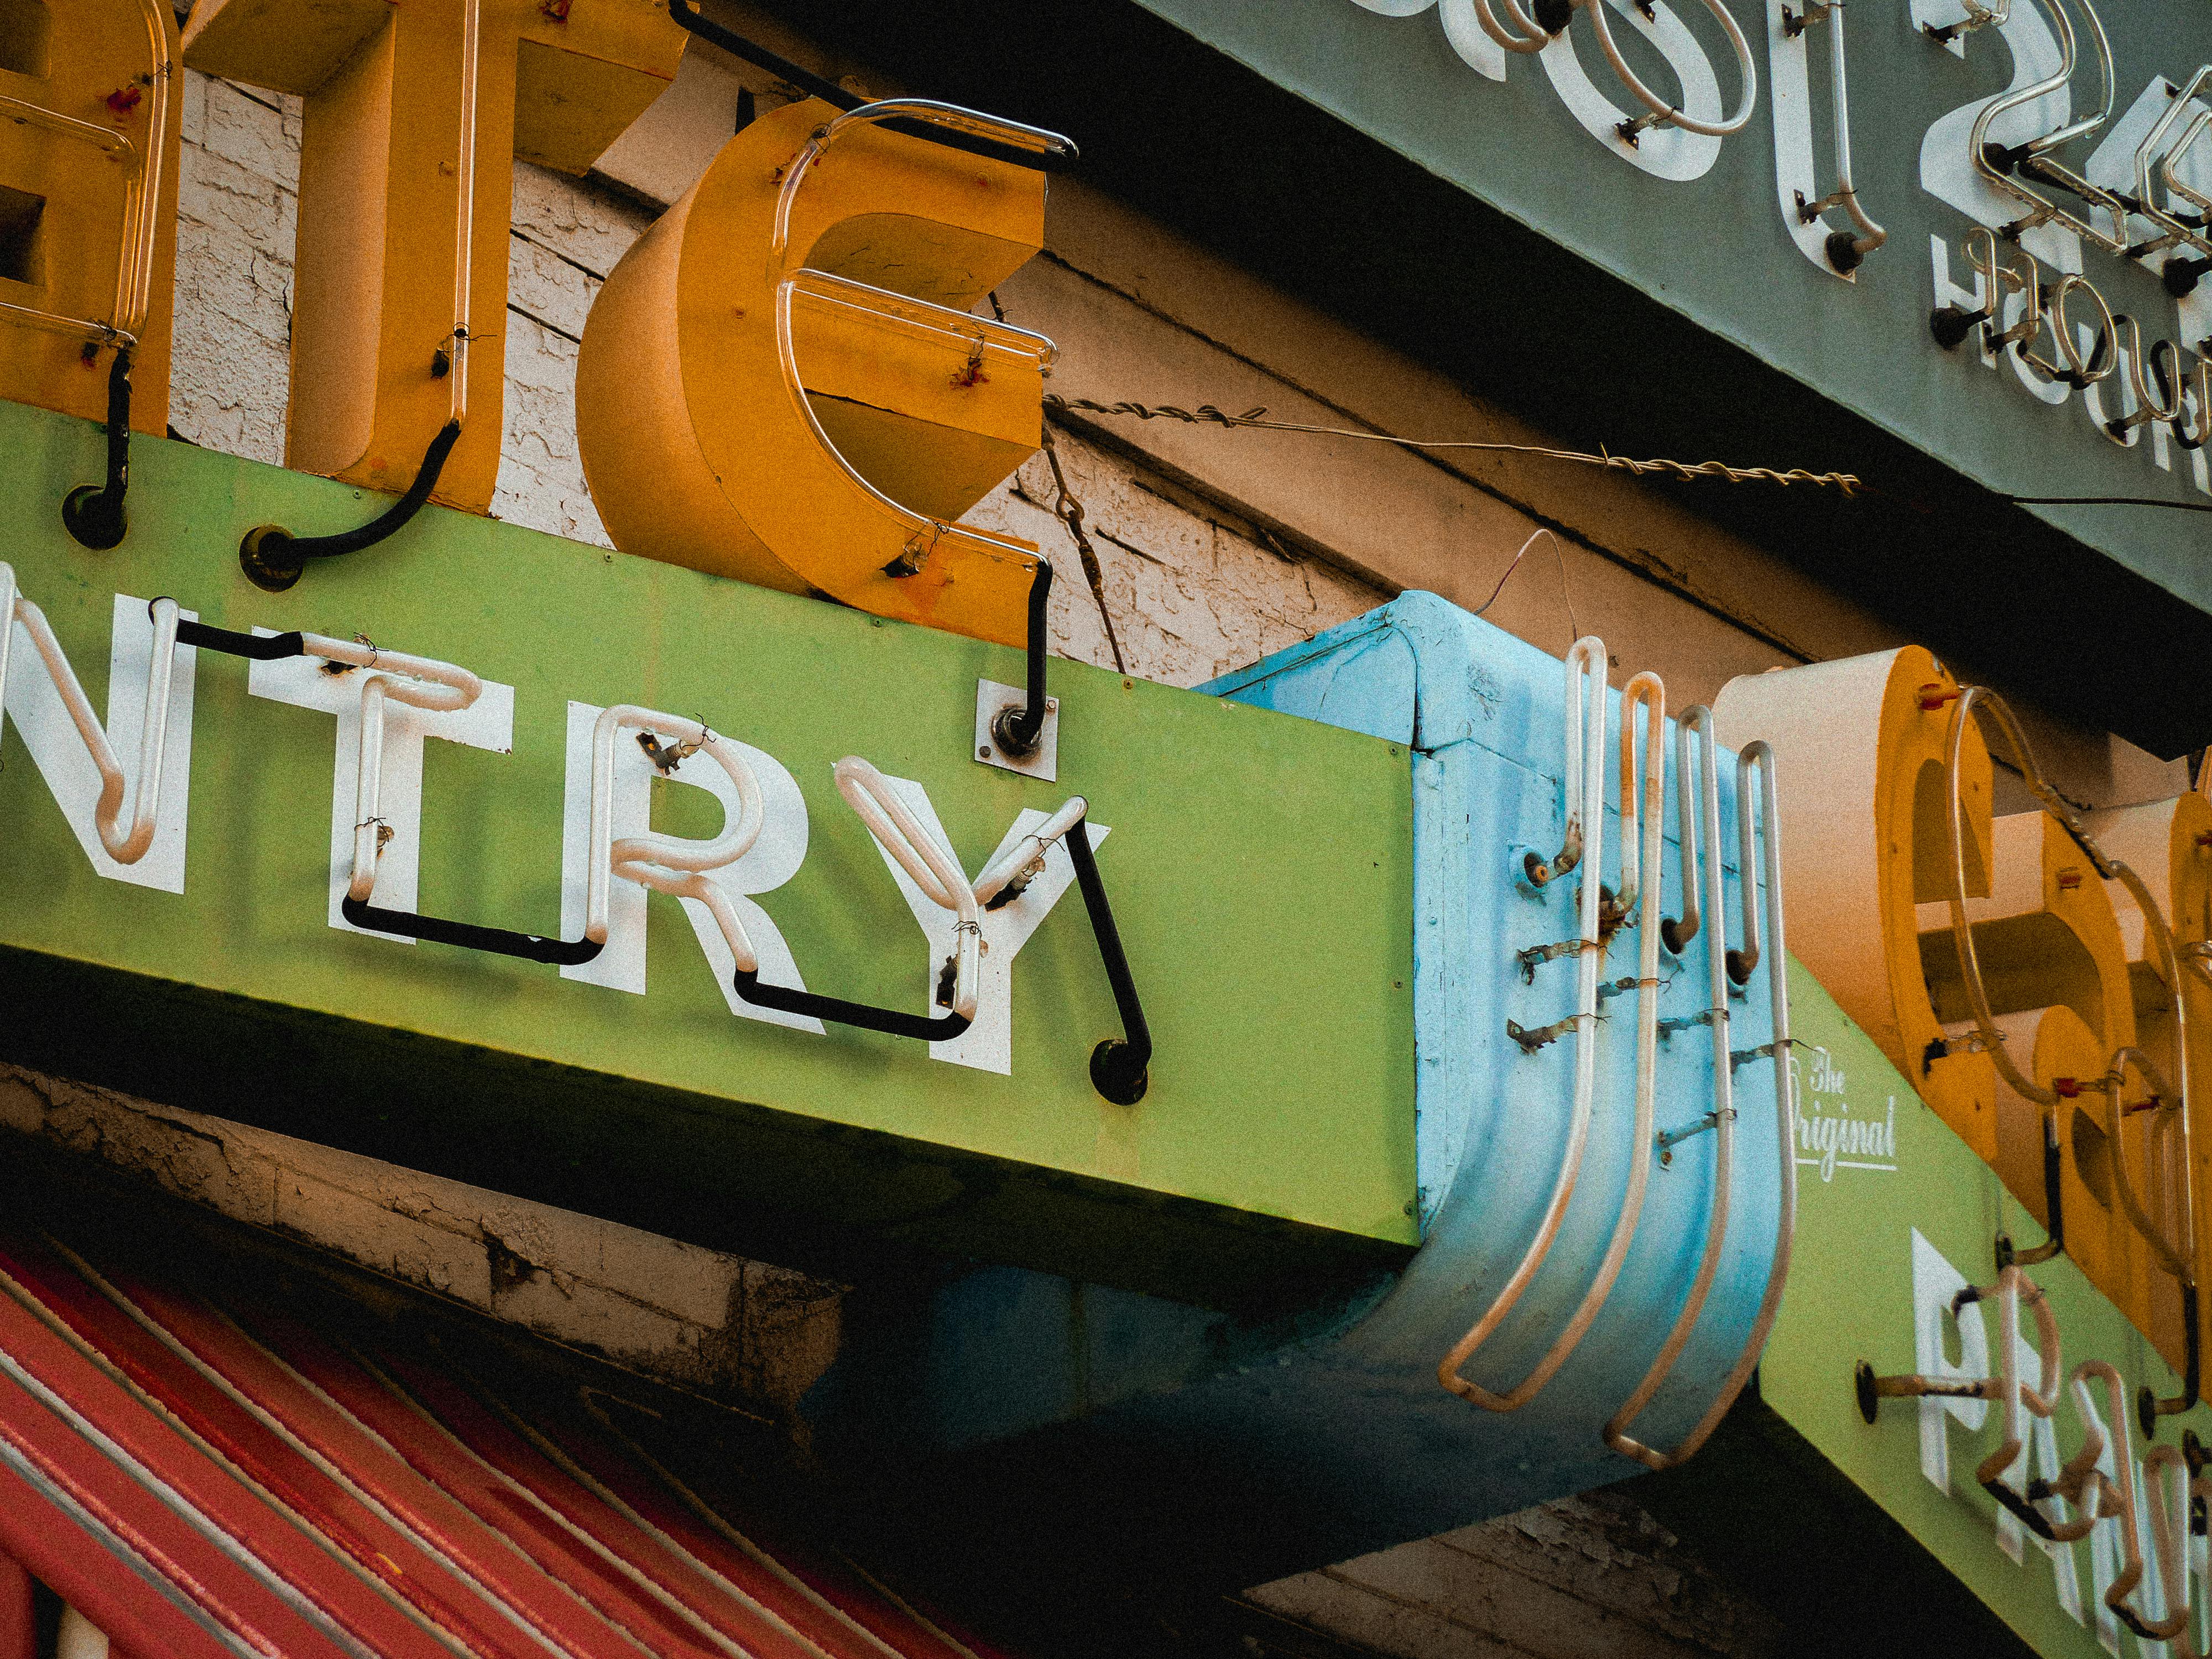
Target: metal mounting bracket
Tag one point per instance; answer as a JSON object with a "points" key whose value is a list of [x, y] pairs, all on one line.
{"points": [[1042, 762]]}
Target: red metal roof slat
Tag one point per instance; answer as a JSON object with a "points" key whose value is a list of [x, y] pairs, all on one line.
{"points": [[710, 1595], [825, 1604], [210, 1483], [299, 1557], [80, 1566], [122, 1501], [533, 1525], [547, 1603], [379, 1546], [18, 1630]]}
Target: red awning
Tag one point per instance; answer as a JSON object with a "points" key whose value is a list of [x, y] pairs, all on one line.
{"points": [[208, 1478]]}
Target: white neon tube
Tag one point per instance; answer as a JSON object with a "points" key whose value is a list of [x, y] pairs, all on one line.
{"points": [[142, 198], [1584, 786], [426, 683], [923, 857], [1724, 1107], [1759, 757], [668, 864], [2175, 1262], [1534, 37], [665, 864], [1871, 235], [1662, 114], [2013, 1394], [2169, 1535], [125, 836], [1023, 862]]}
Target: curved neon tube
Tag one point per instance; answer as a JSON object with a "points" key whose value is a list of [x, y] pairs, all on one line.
{"points": [[665, 864], [668, 864], [2043, 208], [1759, 757], [2169, 377], [2155, 143], [1663, 114], [2169, 1532], [2013, 1394], [2173, 1262], [1962, 934], [1006, 877], [126, 837], [142, 200], [906, 307], [1584, 786], [1534, 36], [923, 857]]}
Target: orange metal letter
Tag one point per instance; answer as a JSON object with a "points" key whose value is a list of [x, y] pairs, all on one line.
{"points": [[88, 201], [415, 110], [847, 253]]}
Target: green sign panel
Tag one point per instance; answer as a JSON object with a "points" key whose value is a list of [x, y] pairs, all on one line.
{"points": [[1710, 226], [1259, 868], [1895, 1215]]}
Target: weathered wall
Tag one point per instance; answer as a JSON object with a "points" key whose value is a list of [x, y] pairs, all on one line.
{"points": [[753, 1334]]}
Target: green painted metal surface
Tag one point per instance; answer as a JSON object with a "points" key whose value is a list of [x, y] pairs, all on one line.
{"points": [[1716, 248], [1851, 1297], [1259, 867]]}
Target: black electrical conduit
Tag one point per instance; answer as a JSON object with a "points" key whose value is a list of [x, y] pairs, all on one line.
{"points": [[93, 513], [1119, 1066], [499, 941], [273, 558], [925, 1028], [686, 13], [1020, 727]]}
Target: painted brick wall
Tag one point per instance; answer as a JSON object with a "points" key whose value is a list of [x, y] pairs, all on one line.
{"points": [[1194, 589]]}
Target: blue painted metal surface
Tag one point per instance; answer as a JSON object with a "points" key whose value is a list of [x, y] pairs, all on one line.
{"points": [[1328, 1418]]}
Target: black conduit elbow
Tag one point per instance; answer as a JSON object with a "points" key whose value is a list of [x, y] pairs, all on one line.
{"points": [[1018, 730], [686, 15], [93, 513], [1120, 1067], [273, 558]]}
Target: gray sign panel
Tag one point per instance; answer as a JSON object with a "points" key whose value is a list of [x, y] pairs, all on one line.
{"points": [[1710, 224]]}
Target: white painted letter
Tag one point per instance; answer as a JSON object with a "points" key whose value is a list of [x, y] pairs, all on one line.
{"points": [[773, 859], [309, 682]]}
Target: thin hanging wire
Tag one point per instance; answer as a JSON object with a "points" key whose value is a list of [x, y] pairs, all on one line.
{"points": [[1207, 415], [1558, 553], [1069, 511]]}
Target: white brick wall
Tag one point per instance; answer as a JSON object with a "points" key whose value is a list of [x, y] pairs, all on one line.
{"points": [[238, 214]]}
